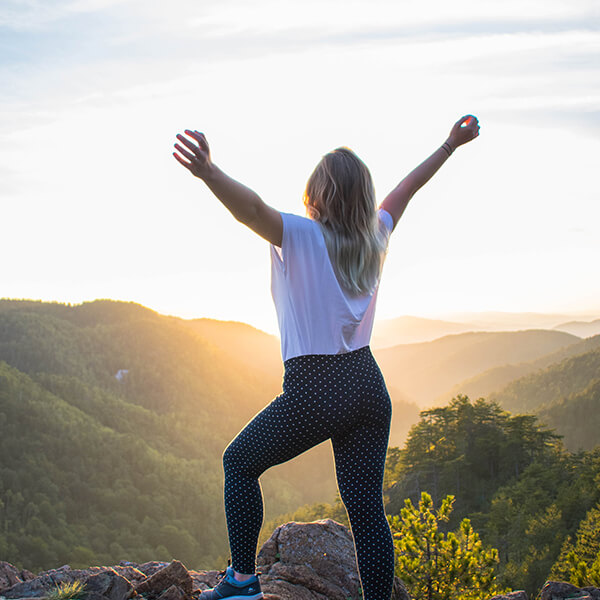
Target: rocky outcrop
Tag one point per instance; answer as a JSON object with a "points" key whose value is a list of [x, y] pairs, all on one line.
{"points": [[113, 583], [300, 561], [558, 590]]}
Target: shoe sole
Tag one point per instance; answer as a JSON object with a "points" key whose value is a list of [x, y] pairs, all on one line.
{"points": [[258, 596]]}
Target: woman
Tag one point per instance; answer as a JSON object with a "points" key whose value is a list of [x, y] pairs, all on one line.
{"points": [[325, 275]]}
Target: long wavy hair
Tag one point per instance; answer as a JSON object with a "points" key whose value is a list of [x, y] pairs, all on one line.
{"points": [[340, 196]]}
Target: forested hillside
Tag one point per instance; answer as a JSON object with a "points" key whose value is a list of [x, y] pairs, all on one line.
{"points": [[544, 387], [495, 379], [565, 396], [421, 372], [114, 420], [576, 417], [74, 489]]}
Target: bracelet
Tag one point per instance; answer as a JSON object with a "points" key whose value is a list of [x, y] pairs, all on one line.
{"points": [[449, 149]]}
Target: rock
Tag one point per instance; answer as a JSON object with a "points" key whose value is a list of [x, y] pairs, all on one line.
{"points": [[204, 580], [312, 561], [151, 567], [47, 581], [594, 592], [399, 591], [26, 575], [108, 584], [519, 595], [130, 572], [173, 593], [35, 588], [9, 575], [174, 574], [558, 590]]}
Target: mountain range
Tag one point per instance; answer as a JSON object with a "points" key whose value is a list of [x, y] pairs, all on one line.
{"points": [[114, 420]]}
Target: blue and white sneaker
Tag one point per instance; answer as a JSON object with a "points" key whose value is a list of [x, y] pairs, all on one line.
{"points": [[228, 587]]}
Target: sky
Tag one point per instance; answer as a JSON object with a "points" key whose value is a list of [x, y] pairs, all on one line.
{"points": [[93, 92]]}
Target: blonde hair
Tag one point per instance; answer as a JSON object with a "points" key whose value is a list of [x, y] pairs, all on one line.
{"points": [[340, 196]]}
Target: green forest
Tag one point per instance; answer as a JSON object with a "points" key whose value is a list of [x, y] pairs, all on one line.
{"points": [[95, 469], [114, 420]]}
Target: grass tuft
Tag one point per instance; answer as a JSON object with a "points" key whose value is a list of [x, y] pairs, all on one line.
{"points": [[67, 591]]}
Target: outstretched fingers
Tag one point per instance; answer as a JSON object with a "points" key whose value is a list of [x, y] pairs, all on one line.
{"points": [[193, 152], [183, 162], [185, 153], [195, 149]]}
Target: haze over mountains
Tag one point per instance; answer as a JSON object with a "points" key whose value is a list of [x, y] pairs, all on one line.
{"points": [[409, 329], [495, 378]]}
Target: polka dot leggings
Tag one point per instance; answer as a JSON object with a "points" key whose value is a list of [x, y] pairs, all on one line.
{"points": [[337, 396]]}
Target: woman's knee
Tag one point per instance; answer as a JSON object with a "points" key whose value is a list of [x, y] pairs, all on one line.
{"points": [[236, 460], [231, 458]]}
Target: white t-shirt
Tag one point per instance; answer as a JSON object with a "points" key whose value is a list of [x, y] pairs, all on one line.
{"points": [[316, 315]]}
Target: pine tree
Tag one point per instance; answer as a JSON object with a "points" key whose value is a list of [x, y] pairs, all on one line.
{"points": [[437, 566], [579, 562]]}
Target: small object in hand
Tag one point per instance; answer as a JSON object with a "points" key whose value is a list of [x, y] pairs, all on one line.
{"points": [[467, 122]]}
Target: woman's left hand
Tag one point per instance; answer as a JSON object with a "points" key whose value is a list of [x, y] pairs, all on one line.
{"points": [[464, 130], [198, 155]]}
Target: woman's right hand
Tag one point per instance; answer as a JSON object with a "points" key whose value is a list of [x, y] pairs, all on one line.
{"points": [[463, 131], [200, 163]]}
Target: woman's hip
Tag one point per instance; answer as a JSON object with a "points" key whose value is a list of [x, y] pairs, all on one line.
{"points": [[352, 380]]}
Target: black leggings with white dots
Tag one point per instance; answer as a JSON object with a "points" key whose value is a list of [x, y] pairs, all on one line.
{"points": [[337, 396]]}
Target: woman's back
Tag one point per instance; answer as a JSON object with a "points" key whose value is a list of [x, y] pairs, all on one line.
{"points": [[316, 313]]}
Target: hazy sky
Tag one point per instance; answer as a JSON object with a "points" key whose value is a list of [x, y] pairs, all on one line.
{"points": [[92, 93]]}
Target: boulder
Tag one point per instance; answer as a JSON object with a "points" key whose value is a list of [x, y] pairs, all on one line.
{"points": [[41, 584], [108, 584], [312, 561], [9, 575], [130, 572], [558, 590], [147, 568], [174, 574], [46, 581], [173, 593], [594, 592]]}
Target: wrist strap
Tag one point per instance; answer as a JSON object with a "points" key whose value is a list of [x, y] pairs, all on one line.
{"points": [[448, 148]]}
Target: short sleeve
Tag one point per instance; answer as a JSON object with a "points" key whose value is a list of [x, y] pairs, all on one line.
{"points": [[296, 238], [386, 219]]}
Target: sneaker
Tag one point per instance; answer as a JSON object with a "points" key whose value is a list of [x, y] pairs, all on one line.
{"points": [[228, 587]]}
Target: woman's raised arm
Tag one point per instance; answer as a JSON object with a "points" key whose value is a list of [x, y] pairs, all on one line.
{"points": [[242, 202], [463, 131]]}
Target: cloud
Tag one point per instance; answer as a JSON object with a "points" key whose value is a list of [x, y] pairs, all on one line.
{"points": [[586, 122], [270, 24], [8, 181]]}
